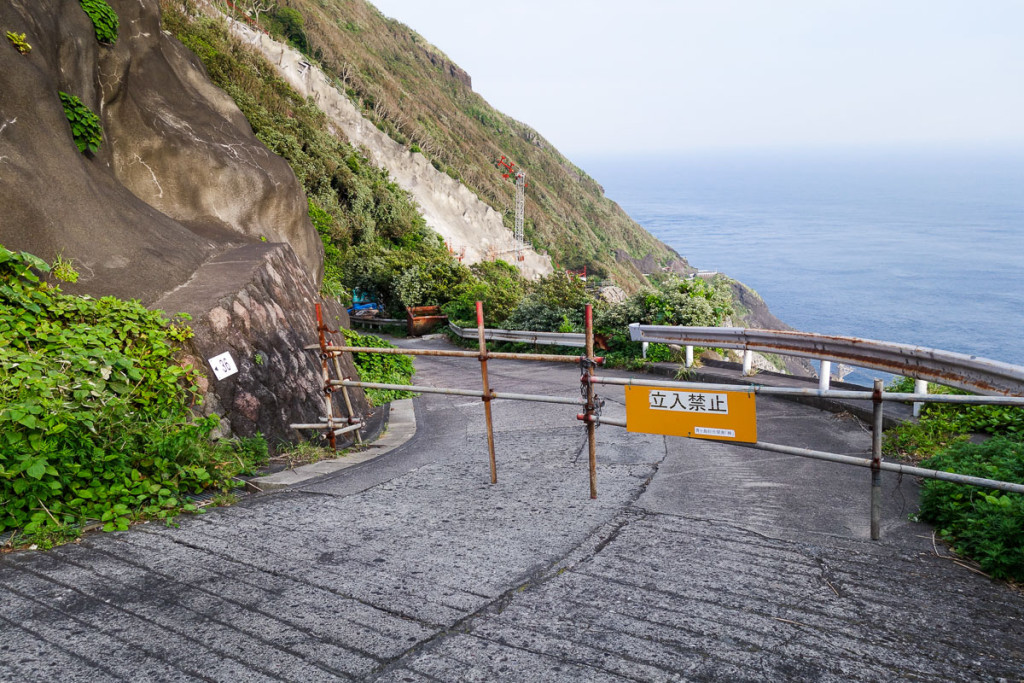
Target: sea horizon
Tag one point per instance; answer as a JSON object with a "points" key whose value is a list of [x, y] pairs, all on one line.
{"points": [[919, 246]]}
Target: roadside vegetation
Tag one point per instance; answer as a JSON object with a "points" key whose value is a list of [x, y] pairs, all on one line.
{"points": [[96, 426], [984, 525]]}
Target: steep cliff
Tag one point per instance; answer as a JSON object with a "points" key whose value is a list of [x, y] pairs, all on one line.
{"points": [[448, 206], [408, 88], [178, 177], [171, 206]]}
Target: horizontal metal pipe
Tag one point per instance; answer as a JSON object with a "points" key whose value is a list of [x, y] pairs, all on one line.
{"points": [[491, 355], [953, 398], [324, 425], [797, 391], [536, 398], [750, 388], [574, 339], [601, 421], [890, 467]]}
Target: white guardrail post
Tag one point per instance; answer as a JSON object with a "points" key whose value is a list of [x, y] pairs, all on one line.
{"points": [[824, 375], [920, 387]]}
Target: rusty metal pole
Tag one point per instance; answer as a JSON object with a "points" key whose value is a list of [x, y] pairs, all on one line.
{"points": [[326, 372], [876, 462], [344, 395], [590, 407], [487, 389]]}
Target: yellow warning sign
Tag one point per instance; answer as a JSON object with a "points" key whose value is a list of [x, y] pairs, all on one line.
{"points": [[721, 415]]}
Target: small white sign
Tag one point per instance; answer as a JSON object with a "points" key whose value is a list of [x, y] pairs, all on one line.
{"points": [[690, 402], [712, 431], [223, 365]]}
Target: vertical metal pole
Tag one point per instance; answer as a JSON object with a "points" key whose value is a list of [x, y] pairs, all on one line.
{"points": [[824, 374], [920, 387], [348, 400], [748, 362], [589, 410], [876, 462], [643, 348], [487, 389], [689, 356], [326, 373]]}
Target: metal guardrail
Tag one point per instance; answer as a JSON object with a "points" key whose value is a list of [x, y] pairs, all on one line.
{"points": [[972, 373], [365, 320], [573, 339]]}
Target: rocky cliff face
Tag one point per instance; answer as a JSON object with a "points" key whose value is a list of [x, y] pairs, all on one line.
{"points": [[181, 207], [179, 176], [256, 304]]}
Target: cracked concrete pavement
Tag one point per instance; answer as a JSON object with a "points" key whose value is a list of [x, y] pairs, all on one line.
{"points": [[698, 561]]}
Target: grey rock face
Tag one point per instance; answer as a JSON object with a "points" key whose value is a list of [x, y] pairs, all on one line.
{"points": [[255, 303], [178, 178]]}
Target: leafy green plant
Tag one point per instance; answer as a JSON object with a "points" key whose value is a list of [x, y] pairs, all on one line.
{"points": [[984, 525], [85, 125], [942, 424], [380, 368], [18, 41], [104, 19], [95, 412], [64, 270]]}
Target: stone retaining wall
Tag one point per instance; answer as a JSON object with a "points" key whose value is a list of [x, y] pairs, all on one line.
{"points": [[257, 303]]}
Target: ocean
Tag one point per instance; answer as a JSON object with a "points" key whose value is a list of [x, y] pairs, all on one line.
{"points": [[916, 247]]}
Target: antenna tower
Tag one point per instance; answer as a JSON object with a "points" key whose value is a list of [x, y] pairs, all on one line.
{"points": [[509, 172]]}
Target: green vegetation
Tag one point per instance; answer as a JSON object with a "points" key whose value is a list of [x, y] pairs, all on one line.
{"points": [[380, 368], [18, 41], [982, 524], [497, 284], [104, 19], [943, 424], [95, 420], [85, 125]]}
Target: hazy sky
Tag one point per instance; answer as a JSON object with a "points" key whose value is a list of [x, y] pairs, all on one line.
{"points": [[614, 76]]}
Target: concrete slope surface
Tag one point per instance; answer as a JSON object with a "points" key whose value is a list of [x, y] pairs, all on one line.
{"points": [[698, 561]]}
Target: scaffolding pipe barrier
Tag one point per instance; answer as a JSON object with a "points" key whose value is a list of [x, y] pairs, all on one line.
{"points": [[495, 355], [591, 406], [487, 396], [797, 391], [495, 395], [876, 461]]}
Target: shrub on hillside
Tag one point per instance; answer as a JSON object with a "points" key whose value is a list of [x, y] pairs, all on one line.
{"points": [[398, 278], [982, 524], [554, 303], [497, 284]]}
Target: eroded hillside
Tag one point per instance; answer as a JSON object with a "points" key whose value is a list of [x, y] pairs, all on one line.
{"points": [[416, 94]]}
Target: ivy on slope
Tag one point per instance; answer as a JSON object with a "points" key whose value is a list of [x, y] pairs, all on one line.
{"points": [[95, 420]]}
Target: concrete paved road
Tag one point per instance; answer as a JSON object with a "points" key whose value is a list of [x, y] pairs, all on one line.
{"points": [[698, 560]]}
